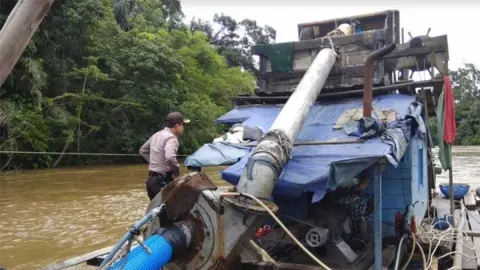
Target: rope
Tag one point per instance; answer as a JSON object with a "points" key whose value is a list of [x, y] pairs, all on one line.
{"points": [[229, 194], [411, 253], [333, 47], [282, 140], [74, 154], [428, 234]]}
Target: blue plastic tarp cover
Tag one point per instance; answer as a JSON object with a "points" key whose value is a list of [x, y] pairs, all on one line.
{"points": [[217, 153], [318, 168]]}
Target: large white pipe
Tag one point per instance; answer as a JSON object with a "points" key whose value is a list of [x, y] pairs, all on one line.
{"points": [[291, 118], [271, 154]]}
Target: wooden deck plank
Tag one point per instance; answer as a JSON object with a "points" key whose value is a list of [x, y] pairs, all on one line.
{"points": [[474, 220], [476, 242], [468, 262], [82, 259], [470, 201], [79, 259]]}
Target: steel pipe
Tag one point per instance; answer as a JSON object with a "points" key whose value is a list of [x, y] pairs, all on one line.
{"points": [[266, 163], [368, 77]]}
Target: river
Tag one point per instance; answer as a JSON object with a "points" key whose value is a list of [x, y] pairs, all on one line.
{"points": [[50, 215]]}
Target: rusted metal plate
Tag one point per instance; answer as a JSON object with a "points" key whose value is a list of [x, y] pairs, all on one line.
{"points": [[188, 188], [404, 88]]}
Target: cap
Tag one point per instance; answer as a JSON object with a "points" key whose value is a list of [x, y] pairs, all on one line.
{"points": [[175, 118]]}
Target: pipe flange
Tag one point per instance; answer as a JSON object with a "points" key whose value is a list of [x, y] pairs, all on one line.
{"points": [[316, 237], [197, 240]]}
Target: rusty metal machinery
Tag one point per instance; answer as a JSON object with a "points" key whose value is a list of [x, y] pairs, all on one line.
{"points": [[226, 225], [229, 223]]}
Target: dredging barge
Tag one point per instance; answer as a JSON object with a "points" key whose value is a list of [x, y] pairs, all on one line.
{"points": [[330, 108]]}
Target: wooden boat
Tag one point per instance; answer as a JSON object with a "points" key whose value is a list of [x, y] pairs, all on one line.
{"points": [[327, 155]]}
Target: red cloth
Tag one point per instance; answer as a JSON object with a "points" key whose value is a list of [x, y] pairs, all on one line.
{"points": [[449, 125]]}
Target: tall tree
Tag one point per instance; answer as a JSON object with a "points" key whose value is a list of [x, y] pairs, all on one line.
{"points": [[167, 12], [466, 81], [87, 83], [234, 39], [466, 89]]}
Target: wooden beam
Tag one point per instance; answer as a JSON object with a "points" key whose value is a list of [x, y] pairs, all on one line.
{"points": [[468, 258], [282, 97], [470, 202], [18, 30], [434, 44], [80, 259], [474, 220], [329, 142], [349, 71]]}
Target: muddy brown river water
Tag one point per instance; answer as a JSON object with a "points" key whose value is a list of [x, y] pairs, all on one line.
{"points": [[50, 215]]}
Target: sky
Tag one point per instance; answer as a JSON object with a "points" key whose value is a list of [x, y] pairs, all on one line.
{"points": [[457, 19]]}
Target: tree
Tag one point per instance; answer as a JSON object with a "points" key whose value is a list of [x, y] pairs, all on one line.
{"points": [[229, 41], [466, 85], [466, 81], [99, 77], [466, 88], [166, 12]]}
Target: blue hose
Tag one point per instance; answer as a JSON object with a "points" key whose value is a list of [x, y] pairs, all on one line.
{"points": [[138, 258], [154, 212]]}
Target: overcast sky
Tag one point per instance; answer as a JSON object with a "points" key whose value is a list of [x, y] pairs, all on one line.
{"points": [[458, 19]]}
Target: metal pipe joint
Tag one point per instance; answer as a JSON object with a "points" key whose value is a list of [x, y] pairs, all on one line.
{"points": [[265, 165]]}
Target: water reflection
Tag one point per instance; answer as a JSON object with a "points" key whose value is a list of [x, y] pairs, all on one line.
{"points": [[50, 215]]}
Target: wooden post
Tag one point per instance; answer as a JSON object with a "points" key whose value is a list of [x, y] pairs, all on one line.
{"points": [[378, 247], [450, 183], [18, 30]]}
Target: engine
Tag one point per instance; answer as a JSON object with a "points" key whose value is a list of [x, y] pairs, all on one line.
{"points": [[329, 231]]}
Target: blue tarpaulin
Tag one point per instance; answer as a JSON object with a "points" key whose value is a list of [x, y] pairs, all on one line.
{"points": [[216, 154], [317, 168]]}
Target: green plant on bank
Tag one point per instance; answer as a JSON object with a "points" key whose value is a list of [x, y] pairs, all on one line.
{"points": [[467, 105], [99, 76]]}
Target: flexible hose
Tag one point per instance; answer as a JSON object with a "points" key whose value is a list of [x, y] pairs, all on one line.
{"points": [[140, 259], [424, 259], [397, 260], [233, 194], [125, 257], [154, 212], [411, 253]]}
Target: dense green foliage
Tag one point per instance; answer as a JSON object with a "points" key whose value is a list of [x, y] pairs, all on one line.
{"points": [[100, 75], [466, 83]]}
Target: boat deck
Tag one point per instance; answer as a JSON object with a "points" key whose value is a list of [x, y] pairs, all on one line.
{"points": [[470, 253]]}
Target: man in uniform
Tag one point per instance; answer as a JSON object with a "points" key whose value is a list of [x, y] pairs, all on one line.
{"points": [[161, 153]]}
